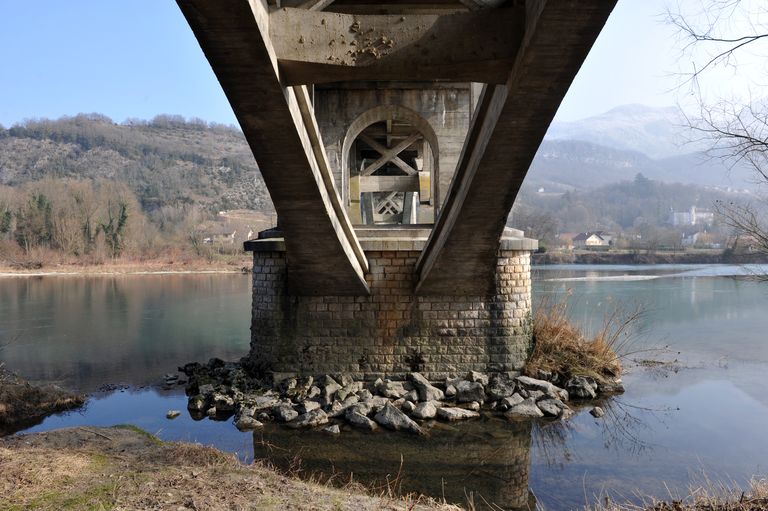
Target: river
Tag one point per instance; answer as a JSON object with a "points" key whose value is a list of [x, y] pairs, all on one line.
{"points": [[704, 414]]}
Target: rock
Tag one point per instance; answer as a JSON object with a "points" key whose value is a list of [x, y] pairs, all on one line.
{"points": [[477, 377], [364, 394], [345, 379], [309, 420], [455, 414], [392, 418], [408, 407], [427, 391], [328, 392], [211, 412], [548, 388], [206, 390], [377, 403], [223, 403], [262, 402], [287, 386], [499, 387], [450, 391], [536, 395], [263, 416], [284, 413], [390, 389], [424, 411], [580, 387], [412, 396], [551, 407], [359, 420], [308, 406], [313, 392], [525, 409], [172, 414], [245, 423], [196, 403], [610, 387], [339, 408], [474, 405], [341, 394], [468, 391], [326, 380], [363, 408], [332, 430], [514, 399], [597, 412]]}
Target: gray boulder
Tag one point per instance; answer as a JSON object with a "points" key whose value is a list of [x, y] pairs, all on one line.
{"points": [[548, 388], [408, 407], [392, 418], [196, 403], [307, 406], [390, 389], [450, 391], [309, 420], [262, 402], [526, 409], [412, 396], [426, 410], [474, 405], [552, 407], [610, 387], [206, 390], [580, 387], [223, 403], [499, 387], [313, 392], [332, 430], [360, 421], [468, 391], [427, 391], [364, 408], [284, 413], [245, 423], [455, 414], [597, 412], [514, 399], [478, 377]]}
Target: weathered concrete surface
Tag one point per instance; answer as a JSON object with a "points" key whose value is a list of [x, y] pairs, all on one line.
{"points": [[321, 47], [505, 134], [279, 126]]}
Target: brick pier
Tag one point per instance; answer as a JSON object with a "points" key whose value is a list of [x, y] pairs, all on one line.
{"points": [[393, 330]]}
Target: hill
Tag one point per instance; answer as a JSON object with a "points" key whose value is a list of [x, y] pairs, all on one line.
{"points": [[167, 161]]}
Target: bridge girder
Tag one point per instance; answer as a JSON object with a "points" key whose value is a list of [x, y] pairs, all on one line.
{"points": [[506, 131], [279, 124]]}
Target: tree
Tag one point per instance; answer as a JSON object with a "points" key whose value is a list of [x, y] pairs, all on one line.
{"points": [[717, 36], [114, 227]]}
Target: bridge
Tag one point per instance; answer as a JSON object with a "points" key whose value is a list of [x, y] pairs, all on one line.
{"points": [[393, 137]]}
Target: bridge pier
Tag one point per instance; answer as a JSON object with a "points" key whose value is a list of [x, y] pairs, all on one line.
{"points": [[393, 330]]}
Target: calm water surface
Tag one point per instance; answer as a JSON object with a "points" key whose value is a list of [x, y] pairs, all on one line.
{"points": [[705, 413]]}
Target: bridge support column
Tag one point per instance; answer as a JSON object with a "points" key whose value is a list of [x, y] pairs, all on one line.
{"points": [[393, 330]]}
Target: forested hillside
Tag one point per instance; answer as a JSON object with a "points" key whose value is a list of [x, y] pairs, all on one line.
{"points": [[167, 162]]}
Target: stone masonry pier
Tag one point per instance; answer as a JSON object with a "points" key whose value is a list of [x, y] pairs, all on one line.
{"points": [[393, 330]]}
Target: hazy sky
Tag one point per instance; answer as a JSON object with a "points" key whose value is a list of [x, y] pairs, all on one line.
{"points": [[138, 58]]}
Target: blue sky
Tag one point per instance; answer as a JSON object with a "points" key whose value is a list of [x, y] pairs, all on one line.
{"points": [[138, 58]]}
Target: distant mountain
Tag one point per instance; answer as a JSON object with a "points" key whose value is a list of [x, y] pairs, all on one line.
{"points": [[656, 132]]}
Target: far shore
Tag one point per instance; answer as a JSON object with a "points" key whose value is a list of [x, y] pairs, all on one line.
{"points": [[113, 268]]}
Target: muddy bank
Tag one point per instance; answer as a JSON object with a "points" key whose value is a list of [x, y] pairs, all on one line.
{"points": [[123, 467], [22, 405]]}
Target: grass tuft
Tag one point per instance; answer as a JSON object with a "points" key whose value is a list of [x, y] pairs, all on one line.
{"points": [[561, 347]]}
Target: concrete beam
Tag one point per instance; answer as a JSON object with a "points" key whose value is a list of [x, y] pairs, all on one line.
{"points": [[321, 47], [509, 123], [324, 256]]}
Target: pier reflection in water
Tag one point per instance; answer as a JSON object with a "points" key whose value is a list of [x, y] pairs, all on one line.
{"points": [[476, 461]]}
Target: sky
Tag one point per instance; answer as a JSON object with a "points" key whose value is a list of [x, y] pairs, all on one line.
{"points": [[138, 58]]}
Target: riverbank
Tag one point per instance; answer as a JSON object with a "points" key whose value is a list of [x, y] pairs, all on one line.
{"points": [[22, 405], [688, 257], [231, 264], [126, 468]]}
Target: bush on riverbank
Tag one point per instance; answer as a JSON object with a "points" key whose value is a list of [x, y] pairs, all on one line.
{"points": [[562, 348]]}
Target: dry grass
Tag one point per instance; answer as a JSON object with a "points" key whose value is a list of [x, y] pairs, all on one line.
{"points": [[562, 347], [707, 496], [124, 468]]}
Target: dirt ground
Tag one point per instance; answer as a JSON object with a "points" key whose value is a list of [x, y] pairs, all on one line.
{"points": [[122, 468]]}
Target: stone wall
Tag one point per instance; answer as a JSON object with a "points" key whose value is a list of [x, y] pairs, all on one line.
{"points": [[392, 331]]}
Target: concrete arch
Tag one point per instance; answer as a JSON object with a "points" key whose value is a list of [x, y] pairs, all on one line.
{"points": [[384, 113]]}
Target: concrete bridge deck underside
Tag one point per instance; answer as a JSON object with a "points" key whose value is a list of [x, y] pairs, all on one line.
{"points": [[527, 53]]}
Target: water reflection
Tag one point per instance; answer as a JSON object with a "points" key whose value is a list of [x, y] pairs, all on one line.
{"points": [[83, 332], [484, 461]]}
